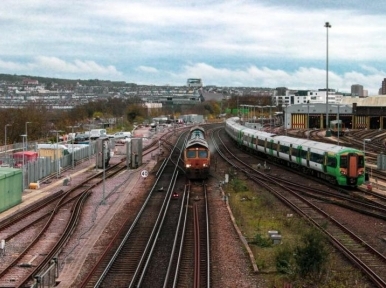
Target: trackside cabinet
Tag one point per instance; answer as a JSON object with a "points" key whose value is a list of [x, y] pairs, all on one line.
{"points": [[11, 187]]}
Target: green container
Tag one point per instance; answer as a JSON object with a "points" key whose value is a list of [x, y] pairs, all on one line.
{"points": [[11, 187]]}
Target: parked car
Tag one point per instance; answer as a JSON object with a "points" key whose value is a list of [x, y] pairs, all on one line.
{"points": [[82, 138]]}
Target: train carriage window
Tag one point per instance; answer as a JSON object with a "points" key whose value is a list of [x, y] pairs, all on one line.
{"points": [[343, 161], [284, 149], [316, 158], [361, 162], [273, 146], [294, 152], [303, 154], [202, 154], [331, 161], [191, 154], [260, 142]]}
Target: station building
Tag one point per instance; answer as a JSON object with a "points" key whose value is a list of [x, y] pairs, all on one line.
{"points": [[355, 113]]}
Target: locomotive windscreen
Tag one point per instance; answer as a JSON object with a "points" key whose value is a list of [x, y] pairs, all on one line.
{"points": [[191, 154], [202, 154]]}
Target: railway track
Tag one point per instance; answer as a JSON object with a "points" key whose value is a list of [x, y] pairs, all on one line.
{"points": [[156, 249], [124, 261], [53, 221], [363, 255]]}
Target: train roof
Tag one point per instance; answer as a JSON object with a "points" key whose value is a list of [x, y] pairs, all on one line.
{"points": [[334, 148], [196, 142], [259, 133], [248, 130], [313, 144], [197, 128]]}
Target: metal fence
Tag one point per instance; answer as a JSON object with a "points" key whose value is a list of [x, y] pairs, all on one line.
{"points": [[43, 167]]}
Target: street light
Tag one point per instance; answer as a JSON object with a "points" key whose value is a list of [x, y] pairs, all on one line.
{"points": [[337, 121], [338, 124], [270, 114], [328, 132], [57, 147], [104, 175], [285, 118], [5, 138], [24, 137], [364, 147], [26, 134], [72, 143]]}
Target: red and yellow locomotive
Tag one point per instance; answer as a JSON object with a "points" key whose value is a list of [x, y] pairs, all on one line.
{"points": [[197, 155]]}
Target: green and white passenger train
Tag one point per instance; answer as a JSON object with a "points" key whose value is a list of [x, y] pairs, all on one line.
{"points": [[337, 164]]}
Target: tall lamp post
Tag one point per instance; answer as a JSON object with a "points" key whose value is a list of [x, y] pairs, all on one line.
{"points": [[104, 175], [22, 167], [364, 146], [5, 138], [364, 153], [338, 124], [285, 118], [26, 134], [72, 144], [270, 114], [308, 119], [328, 132], [56, 152]]}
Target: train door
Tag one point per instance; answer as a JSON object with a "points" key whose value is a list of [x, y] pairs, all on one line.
{"points": [[352, 165], [308, 156], [290, 153], [265, 146], [278, 149], [325, 160], [240, 140]]}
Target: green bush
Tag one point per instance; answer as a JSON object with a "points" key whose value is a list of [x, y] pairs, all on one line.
{"points": [[238, 185], [284, 260], [261, 241], [311, 256]]}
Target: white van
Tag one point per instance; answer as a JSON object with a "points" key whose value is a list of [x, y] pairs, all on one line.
{"points": [[96, 133], [121, 137]]}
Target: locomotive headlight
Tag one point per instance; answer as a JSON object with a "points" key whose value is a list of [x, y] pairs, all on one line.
{"points": [[188, 165], [343, 172], [205, 165]]}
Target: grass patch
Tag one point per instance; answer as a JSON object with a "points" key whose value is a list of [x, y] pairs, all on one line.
{"points": [[256, 212]]}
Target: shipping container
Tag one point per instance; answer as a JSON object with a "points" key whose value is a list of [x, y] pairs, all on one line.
{"points": [[55, 151], [11, 187], [26, 156]]}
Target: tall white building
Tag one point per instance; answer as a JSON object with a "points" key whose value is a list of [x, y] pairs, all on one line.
{"points": [[293, 98], [194, 82]]}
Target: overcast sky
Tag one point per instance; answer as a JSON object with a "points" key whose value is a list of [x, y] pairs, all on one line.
{"points": [[266, 43]]}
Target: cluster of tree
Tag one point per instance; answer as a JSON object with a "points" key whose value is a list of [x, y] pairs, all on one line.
{"points": [[126, 111], [13, 78]]}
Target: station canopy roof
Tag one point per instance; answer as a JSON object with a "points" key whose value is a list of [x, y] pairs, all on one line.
{"points": [[368, 101]]}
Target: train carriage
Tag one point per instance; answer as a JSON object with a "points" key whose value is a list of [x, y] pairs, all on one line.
{"points": [[197, 155], [337, 127], [337, 164]]}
